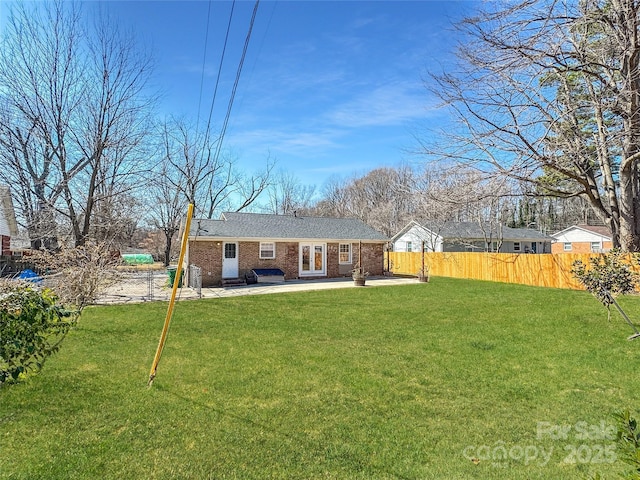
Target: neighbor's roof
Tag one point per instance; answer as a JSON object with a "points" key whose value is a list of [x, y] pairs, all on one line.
{"points": [[474, 231], [601, 230], [234, 225]]}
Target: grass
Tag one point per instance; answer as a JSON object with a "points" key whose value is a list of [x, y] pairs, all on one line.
{"points": [[425, 381]]}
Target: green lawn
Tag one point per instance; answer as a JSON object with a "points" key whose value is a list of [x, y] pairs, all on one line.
{"points": [[425, 381]]}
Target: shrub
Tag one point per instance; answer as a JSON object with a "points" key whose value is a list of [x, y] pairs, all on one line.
{"points": [[32, 326], [78, 275], [629, 443], [606, 276]]}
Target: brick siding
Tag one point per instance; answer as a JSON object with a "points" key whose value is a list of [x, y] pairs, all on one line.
{"points": [[286, 258], [372, 257], [578, 247], [208, 256], [5, 245]]}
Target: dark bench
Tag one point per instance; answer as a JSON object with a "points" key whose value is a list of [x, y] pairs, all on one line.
{"points": [[267, 275]]}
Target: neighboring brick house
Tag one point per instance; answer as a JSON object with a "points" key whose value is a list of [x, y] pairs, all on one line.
{"points": [[8, 225], [301, 247], [582, 239], [469, 237]]}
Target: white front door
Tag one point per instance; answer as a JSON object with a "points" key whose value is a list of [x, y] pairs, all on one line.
{"points": [[229, 260], [313, 259]]}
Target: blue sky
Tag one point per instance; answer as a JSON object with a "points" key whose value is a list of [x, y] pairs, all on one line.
{"points": [[327, 88]]}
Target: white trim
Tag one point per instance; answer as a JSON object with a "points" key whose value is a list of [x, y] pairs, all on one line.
{"points": [[558, 235], [406, 229], [230, 265], [312, 272], [417, 234], [203, 238], [265, 257], [350, 252]]}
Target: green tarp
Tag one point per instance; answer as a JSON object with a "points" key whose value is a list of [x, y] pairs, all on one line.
{"points": [[137, 258]]}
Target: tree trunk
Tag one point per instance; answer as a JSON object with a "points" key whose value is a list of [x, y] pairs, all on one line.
{"points": [[167, 249]]}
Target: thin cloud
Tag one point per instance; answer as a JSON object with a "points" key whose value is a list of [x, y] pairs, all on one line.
{"points": [[389, 105], [286, 140]]}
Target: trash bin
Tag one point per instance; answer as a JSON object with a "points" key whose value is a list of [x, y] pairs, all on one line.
{"points": [[172, 276]]}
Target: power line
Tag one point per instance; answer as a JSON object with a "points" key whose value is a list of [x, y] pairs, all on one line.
{"points": [[204, 59], [224, 49], [234, 89], [235, 84]]}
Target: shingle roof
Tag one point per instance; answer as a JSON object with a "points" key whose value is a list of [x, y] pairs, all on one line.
{"points": [[474, 231], [235, 225], [597, 229]]}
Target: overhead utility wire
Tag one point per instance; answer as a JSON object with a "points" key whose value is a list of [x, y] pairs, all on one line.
{"points": [[235, 84], [224, 49], [204, 59]]}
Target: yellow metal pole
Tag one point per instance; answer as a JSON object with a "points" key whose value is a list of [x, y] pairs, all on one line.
{"points": [[176, 281]]}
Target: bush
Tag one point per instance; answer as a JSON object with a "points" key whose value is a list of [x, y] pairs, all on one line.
{"points": [[78, 275], [32, 326], [629, 443], [606, 276]]}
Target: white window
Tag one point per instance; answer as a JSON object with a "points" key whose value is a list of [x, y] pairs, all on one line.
{"points": [[267, 250], [596, 247], [516, 246], [409, 247], [230, 250], [567, 246], [345, 253]]}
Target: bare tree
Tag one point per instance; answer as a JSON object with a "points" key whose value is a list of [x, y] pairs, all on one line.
{"points": [[116, 112], [186, 161], [287, 195], [116, 220], [73, 106], [547, 93], [383, 198], [242, 190], [40, 85], [210, 182], [462, 195], [167, 201], [333, 201]]}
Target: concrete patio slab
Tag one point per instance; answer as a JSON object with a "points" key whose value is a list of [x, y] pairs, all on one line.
{"points": [[144, 287]]}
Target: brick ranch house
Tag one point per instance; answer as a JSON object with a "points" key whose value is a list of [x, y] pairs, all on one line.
{"points": [[582, 239], [301, 247]]}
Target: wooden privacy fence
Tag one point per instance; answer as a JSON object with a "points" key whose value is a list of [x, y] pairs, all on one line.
{"points": [[542, 270]]}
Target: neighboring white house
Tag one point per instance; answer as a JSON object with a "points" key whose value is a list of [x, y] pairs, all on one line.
{"points": [[8, 225], [469, 237], [582, 239]]}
